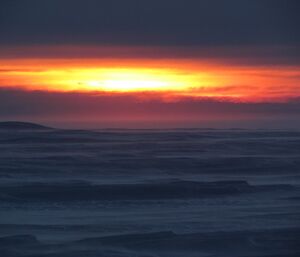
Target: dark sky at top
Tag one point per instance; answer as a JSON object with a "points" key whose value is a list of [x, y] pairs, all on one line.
{"points": [[150, 22]]}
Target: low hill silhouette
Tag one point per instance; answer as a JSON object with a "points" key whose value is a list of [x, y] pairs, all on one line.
{"points": [[17, 125]]}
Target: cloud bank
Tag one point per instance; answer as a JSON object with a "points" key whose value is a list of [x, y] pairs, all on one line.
{"points": [[132, 110]]}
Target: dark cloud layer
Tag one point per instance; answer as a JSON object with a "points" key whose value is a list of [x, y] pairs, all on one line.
{"points": [[242, 55], [120, 109], [163, 22]]}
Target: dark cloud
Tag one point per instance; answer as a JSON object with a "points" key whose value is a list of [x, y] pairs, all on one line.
{"points": [[120, 109], [241, 55], [163, 22]]}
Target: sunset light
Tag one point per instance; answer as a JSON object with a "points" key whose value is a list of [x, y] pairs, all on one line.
{"points": [[149, 128], [128, 80], [172, 77], [61, 75]]}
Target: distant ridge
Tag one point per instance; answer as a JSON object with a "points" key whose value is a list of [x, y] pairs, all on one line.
{"points": [[17, 125]]}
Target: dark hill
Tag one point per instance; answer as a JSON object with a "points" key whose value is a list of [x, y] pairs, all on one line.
{"points": [[16, 125]]}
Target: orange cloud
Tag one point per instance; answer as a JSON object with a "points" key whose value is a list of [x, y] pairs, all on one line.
{"points": [[170, 78]]}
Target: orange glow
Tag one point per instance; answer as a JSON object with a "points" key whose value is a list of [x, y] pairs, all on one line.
{"points": [[175, 77]]}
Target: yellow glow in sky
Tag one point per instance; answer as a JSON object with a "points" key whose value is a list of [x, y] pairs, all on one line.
{"points": [[127, 80], [108, 79], [181, 78]]}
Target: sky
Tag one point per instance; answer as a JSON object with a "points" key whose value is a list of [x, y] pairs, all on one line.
{"points": [[156, 64]]}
